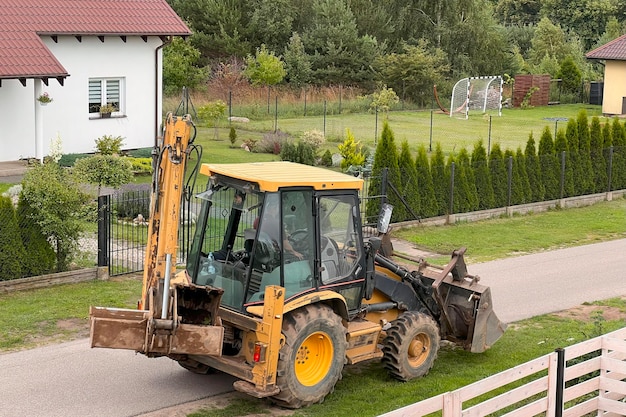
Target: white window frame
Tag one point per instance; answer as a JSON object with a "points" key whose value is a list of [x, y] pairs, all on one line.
{"points": [[111, 90]]}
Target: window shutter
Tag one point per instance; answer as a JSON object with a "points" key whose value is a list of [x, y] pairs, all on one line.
{"points": [[95, 95]]}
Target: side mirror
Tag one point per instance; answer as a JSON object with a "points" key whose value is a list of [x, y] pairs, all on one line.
{"points": [[384, 218]]}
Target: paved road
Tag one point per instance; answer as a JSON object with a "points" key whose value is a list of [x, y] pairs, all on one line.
{"points": [[531, 285], [72, 380]]}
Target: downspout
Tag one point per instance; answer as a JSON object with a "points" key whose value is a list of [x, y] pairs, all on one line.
{"points": [[157, 116]]}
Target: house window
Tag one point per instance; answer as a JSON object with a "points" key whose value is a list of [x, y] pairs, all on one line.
{"points": [[106, 91]]}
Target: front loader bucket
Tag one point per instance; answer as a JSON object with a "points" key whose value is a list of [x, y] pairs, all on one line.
{"points": [[468, 315], [466, 308]]}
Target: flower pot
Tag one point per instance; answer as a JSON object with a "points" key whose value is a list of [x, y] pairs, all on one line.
{"points": [[43, 103], [105, 115]]}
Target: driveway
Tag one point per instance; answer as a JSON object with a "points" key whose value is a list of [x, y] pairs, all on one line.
{"points": [[71, 379]]}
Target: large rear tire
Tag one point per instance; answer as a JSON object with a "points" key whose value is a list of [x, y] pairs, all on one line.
{"points": [[312, 359], [411, 346]]}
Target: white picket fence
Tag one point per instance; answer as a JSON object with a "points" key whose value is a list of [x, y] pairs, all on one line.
{"points": [[594, 381]]}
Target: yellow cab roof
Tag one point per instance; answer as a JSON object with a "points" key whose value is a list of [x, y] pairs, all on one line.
{"points": [[270, 176]]}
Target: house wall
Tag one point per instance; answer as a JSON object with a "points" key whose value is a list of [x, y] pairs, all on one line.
{"points": [[614, 87], [68, 115]]}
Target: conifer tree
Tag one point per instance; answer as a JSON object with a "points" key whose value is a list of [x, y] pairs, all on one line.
{"points": [[571, 136], [520, 168], [386, 156], [619, 156], [533, 170], [499, 176], [428, 201], [467, 181], [12, 253], [607, 144], [564, 157], [441, 185], [598, 163], [41, 256], [409, 185], [455, 181], [549, 166], [482, 177], [584, 153]]}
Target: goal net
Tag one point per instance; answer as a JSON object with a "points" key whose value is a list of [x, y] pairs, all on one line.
{"points": [[481, 94]]}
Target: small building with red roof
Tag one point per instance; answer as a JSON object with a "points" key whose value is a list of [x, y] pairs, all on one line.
{"points": [[614, 56], [83, 55]]}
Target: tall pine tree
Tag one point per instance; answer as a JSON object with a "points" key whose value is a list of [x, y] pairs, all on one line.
{"points": [[549, 166], [571, 136], [520, 168], [499, 176], [440, 183], [428, 201], [564, 157], [598, 162], [533, 171], [410, 189], [486, 199], [466, 182], [12, 253], [386, 156], [584, 153]]}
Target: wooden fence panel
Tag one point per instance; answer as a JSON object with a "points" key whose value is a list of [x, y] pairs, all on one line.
{"points": [[582, 379]]}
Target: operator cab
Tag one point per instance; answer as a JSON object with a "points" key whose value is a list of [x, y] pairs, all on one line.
{"points": [[298, 237]]}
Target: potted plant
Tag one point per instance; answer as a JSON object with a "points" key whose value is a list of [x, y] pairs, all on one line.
{"points": [[44, 99], [106, 110]]}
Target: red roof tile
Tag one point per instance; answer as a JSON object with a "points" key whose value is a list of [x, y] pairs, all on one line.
{"points": [[24, 55], [614, 50]]}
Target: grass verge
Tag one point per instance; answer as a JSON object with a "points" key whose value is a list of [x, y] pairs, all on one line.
{"points": [[522, 234]]}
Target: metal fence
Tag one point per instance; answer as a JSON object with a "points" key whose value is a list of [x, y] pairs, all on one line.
{"points": [[123, 227]]}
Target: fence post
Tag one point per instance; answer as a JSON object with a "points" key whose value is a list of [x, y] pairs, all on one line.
{"points": [[305, 102], [452, 188], [230, 107], [510, 180], [276, 115], [489, 138], [560, 382], [430, 143], [610, 169], [376, 127], [562, 174], [324, 118], [104, 215], [383, 186]]}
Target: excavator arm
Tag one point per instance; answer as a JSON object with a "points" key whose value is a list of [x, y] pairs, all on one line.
{"points": [[156, 328]]}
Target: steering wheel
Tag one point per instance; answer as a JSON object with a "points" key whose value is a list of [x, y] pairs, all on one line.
{"points": [[300, 241]]}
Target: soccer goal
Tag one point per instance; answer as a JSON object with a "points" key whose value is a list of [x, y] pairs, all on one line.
{"points": [[476, 94]]}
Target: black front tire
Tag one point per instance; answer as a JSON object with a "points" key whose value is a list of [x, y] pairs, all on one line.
{"points": [[311, 361], [411, 346]]}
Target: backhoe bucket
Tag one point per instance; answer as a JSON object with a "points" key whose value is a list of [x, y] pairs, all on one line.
{"points": [[142, 331]]}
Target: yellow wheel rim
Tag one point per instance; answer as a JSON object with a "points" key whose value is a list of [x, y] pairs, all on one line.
{"points": [[314, 359], [419, 349]]}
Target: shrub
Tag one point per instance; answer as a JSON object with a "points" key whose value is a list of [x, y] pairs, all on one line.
{"points": [[140, 153], [327, 159], [104, 170], [57, 199], [68, 160], [314, 137], [140, 165], [109, 145], [40, 255], [351, 151], [302, 153], [12, 252], [272, 143], [232, 136], [136, 201]]}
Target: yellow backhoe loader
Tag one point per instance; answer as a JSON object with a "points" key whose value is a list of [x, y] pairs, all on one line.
{"points": [[281, 289]]}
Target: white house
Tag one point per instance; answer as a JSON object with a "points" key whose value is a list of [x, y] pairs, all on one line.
{"points": [[83, 54]]}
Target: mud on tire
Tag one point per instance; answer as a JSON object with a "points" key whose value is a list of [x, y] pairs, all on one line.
{"points": [[312, 359], [411, 346]]}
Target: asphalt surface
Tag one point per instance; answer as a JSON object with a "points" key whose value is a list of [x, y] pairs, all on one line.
{"points": [[70, 379]]}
